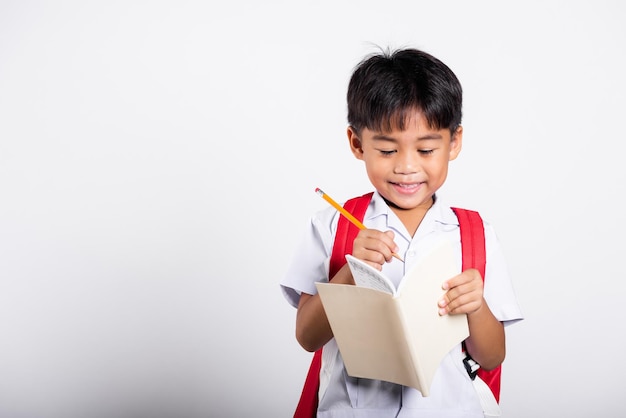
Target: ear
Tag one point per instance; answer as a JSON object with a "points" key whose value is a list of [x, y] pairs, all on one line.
{"points": [[456, 143], [355, 143]]}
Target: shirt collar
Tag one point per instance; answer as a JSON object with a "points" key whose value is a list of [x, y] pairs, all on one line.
{"points": [[440, 215]]}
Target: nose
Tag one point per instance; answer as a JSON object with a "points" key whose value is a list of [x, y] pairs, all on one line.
{"points": [[406, 163]]}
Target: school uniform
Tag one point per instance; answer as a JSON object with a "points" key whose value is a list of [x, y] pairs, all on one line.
{"points": [[452, 391]]}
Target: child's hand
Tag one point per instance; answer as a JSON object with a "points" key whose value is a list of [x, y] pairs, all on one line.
{"points": [[374, 247], [464, 293]]}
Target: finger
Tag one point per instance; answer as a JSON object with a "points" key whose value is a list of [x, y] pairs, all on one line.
{"points": [[389, 237], [376, 241], [458, 280], [462, 302]]}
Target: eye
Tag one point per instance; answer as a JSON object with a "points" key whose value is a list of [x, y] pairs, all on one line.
{"points": [[386, 152], [425, 151]]}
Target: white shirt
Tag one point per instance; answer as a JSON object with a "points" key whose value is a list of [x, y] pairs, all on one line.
{"points": [[452, 391]]}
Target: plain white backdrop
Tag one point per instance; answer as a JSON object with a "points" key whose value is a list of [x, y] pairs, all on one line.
{"points": [[158, 161]]}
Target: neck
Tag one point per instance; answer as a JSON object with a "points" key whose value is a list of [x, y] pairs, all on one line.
{"points": [[411, 218]]}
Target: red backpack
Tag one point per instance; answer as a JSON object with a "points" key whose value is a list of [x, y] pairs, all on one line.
{"points": [[473, 254]]}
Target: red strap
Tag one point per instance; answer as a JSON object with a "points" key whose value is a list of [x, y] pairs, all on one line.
{"points": [[475, 256], [307, 405], [347, 232], [344, 238], [472, 240]]}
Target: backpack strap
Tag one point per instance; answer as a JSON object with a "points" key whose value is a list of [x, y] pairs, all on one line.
{"points": [[472, 240], [475, 256], [347, 232], [344, 238]]}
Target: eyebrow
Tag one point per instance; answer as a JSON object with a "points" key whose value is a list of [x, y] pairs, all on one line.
{"points": [[430, 136]]}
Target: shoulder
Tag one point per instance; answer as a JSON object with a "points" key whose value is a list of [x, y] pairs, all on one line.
{"points": [[325, 220], [449, 213], [452, 216]]}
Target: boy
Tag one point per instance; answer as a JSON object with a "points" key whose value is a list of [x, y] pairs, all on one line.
{"points": [[404, 115]]}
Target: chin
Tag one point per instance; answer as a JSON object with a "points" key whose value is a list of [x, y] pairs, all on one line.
{"points": [[410, 203]]}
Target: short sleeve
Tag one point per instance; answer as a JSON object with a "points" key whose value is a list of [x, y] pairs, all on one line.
{"points": [[499, 292], [311, 257]]}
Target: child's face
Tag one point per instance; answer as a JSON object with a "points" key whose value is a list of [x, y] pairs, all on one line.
{"points": [[407, 167]]}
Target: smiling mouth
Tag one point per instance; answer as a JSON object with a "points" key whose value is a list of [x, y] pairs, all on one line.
{"points": [[407, 186]]}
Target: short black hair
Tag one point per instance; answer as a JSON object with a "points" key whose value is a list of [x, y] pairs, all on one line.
{"points": [[385, 87]]}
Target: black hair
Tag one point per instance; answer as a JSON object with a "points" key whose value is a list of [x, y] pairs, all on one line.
{"points": [[386, 87]]}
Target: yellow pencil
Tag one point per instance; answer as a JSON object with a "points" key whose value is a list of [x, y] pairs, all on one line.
{"points": [[347, 214]]}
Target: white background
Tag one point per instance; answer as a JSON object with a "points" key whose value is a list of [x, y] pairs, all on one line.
{"points": [[158, 162]]}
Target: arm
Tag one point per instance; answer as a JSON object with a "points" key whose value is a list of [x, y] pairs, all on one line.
{"points": [[486, 343], [312, 327]]}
